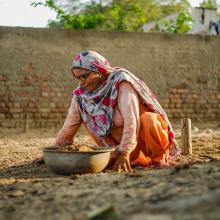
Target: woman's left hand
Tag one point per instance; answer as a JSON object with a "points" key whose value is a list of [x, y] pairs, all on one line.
{"points": [[122, 163]]}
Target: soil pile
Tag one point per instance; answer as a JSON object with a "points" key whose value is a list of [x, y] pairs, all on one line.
{"points": [[76, 148]]}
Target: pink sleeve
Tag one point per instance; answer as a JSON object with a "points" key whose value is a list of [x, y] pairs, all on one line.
{"points": [[128, 104], [70, 126]]}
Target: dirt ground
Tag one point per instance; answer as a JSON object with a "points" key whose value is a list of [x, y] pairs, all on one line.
{"points": [[189, 189]]}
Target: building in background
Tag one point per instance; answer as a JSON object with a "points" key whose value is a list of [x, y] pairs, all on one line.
{"points": [[205, 21], [154, 25]]}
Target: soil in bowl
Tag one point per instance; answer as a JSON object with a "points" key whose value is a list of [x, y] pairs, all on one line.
{"points": [[77, 148]]}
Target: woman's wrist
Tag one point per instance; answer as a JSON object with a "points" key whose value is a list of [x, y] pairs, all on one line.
{"points": [[122, 152]]}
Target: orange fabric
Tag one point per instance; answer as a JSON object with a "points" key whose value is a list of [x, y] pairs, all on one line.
{"points": [[153, 141]]}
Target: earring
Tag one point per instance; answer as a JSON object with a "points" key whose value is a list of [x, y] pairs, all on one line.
{"points": [[100, 76]]}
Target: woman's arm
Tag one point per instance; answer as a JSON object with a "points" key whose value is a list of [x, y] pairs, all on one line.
{"points": [[128, 104], [70, 126]]}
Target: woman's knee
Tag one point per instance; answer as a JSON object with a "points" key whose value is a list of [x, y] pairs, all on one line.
{"points": [[148, 120]]}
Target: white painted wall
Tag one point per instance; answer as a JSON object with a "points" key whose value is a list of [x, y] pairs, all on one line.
{"points": [[203, 27]]}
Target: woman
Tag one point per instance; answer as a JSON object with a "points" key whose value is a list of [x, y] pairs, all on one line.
{"points": [[118, 110]]}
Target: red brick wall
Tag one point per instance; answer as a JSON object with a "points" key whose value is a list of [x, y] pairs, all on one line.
{"points": [[45, 105], [36, 85], [199, 106], [34, 102]]}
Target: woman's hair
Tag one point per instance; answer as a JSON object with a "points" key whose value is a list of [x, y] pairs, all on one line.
{"points": [[93, 61]]}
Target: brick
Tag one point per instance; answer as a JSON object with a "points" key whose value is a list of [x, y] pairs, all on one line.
{"points": [[195, 96], [10, 104], [172, 110], [190, 110], [174, 96], [182, 90], [3, 110], [190, 100], [3, 78], [30, 109], [212, 97], [177, 101], [189, 97], [201, 101], [45, 84], [200, 110], [17, 105], [2, 84], [213, 101], [211, 110], [2, 116], [178, 105], [179, 114], [16, 115], [173, 90], [164, 101], [2, 105], [44, 110], [45, 94], [15, 110], [44, 104], [31, 104], [214, 105], [52, 94], [58, 115], [36, 115], [44, 115], [61, 110], [8, 124], [53, 105], [171, 105]]}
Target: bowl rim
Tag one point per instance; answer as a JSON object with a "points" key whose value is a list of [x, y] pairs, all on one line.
{"points": [[52, 149]]}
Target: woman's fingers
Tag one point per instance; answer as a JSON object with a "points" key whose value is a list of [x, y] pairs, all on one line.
{"points": [[128, 166], [116, 165], [118, 169], [124, 166]]}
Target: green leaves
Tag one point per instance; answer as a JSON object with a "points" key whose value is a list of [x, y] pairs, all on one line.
{"points": [[117, 15], [209, 4], [182, 24]]}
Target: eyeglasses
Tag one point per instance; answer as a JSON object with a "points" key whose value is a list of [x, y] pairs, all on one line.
{"points": [[82, 77]]}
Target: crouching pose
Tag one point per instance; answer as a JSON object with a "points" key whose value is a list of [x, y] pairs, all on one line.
{"points": [[118, 110]]}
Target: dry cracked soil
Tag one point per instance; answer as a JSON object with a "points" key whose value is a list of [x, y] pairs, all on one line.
{"points": [[188, 189]]}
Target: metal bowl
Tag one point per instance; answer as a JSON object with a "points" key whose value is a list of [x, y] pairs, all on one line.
{"points": [[68, 162]]}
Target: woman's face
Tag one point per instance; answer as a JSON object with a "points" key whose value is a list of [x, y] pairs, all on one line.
{"points": [[87, 79]]}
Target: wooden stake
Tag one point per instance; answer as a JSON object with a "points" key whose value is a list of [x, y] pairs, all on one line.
{"points": [[186, 136], [26, 123]]}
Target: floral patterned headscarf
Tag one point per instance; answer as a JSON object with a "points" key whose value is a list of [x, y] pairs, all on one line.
{"points": [[93, 61], [97, 107]]}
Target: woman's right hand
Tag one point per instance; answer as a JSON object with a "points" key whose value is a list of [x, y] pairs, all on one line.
{"points": [[122, 162]]}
